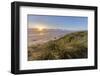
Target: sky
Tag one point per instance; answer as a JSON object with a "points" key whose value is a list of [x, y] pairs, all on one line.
{"points": [[58, 22]]}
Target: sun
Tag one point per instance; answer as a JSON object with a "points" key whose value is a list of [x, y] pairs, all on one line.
{"points": [[40, 28]]}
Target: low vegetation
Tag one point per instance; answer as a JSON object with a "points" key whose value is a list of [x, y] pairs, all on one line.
{"points": [[70, 46]]}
